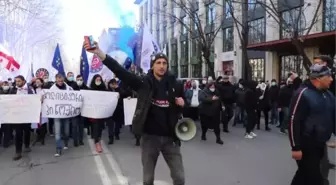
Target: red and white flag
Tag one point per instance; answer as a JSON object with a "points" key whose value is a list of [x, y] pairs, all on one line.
{"points": [[8, 62]]}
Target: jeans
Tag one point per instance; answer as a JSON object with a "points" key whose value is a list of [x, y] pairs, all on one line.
{"points": [[227, 114], [285, 112], [151, 147], [274, 114], [65, 124], [239, 115]]}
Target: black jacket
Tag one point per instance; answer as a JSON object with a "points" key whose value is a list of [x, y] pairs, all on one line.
{"points": [[312, 116], [273, 93], [285, 96], [208, 106], [72, 84], [48, 85], [144, 88], [226, 92]]}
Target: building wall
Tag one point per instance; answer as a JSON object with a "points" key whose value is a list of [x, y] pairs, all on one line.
{"points": [[272, 60]]}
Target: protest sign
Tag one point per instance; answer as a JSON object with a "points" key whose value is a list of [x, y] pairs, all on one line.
{"points": [[129, 109], [15, 109], [99, 104], [61, 103]]}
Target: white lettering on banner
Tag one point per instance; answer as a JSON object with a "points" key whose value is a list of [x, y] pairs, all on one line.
{"points": [[15, 109], [61, 103], [129, 109], [99, 104]]}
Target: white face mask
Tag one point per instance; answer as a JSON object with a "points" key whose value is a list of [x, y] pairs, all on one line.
{"points": [[204, 82], [79, 83], [241, 86], [5, 88], [98, 83], [212, 89]]}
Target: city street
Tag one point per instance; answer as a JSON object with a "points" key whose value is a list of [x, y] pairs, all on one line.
{"points": [[265, 160]]}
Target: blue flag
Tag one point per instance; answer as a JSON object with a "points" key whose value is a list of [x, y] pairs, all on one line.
{"points": [[57, 61], [84, 66]]}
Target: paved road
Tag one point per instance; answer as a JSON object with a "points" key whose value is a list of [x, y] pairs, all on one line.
{"points": [[261, 161]]}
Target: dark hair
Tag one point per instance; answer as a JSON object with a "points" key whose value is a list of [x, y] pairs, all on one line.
{"points": [[59, 75], [20, 77], [78, 76], [273, 80], [93, 85], [69, 73], [40, 80]]}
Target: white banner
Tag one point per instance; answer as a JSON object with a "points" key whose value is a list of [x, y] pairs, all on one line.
{"points": [[99, 104], [15, 109], [61, 103], [129, 109]]}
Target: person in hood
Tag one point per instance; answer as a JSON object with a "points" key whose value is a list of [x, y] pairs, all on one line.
{"points": [[61, 122], [97, 84], [240, 98], [22, 131], [251, 106], [210, 108], [6, 130], [160, 102], [226, 92], [312, 122]]}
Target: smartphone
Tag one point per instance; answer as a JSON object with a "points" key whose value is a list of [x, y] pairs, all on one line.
{"points": [[89, 39]]}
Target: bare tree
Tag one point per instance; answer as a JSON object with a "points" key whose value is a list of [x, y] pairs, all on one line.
{"points": [[295, 27], [197, 28]]}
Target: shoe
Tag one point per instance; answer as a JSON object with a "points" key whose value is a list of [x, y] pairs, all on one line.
{"points": [[204, 138], [117, 137], [65, 148], [81, 143], [248, 136], [58, 153], [253, 134], [268, 129], [17, 156], [111, 141], [27, 150], [219, 141], [283, 131], [42, 142], [98, 148], [75, 143]]}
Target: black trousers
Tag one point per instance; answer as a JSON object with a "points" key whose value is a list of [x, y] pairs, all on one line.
{"points": [[265, 112], [22, 135], [309, 171], [192, 113], [6, 134], [41, 132], [114, 126], [227, 114], [211, 122], [51, 126], [97, 131], [251, 120]]}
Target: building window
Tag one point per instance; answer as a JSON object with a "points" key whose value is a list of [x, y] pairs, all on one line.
{"points": [[210, 13], [195, 21], [196, 64], [292, 21], [173, 61], [165, 36], [329, 16], [256, 31], [184, 59], [227, 9], [212, 60], [184, 25], [228, 39], [258, 69], [289, 64], [228, 68]]}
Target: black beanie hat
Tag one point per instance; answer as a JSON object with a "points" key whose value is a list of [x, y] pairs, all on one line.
{"points": [[156, 56]]}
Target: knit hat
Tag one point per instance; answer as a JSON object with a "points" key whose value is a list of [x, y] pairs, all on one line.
{"points": [[156, 56], [318, 70]]}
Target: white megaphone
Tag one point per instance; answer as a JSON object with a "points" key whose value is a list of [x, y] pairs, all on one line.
{"points": [[185, 129]]}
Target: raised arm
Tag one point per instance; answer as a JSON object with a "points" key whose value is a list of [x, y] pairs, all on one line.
{"points": [[125, 76]]}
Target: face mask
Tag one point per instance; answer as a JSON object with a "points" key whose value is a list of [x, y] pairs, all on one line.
{"points": [[98, 83], [117, 79], [212, 89], [38, 85], [204, 82], [5, 88], [70, 79], [79, 82], [240, 86], [273, 83]]}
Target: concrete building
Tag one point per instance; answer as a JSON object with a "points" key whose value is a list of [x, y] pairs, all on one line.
{"points": [[270, 52]]}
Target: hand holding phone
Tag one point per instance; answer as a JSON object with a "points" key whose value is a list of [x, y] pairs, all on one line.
{"points": [[90, 41]]}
